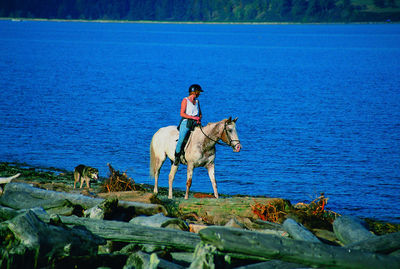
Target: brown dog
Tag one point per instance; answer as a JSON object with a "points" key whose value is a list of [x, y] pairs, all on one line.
{"points": [[85, 173]]}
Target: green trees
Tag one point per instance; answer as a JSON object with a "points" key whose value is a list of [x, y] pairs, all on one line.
{"points": [[196, 10]]}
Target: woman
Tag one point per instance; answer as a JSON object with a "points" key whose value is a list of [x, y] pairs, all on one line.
{"points": [[191, 117]]}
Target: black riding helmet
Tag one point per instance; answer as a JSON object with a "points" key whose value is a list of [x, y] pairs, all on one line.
{"points": [[195, 87]]}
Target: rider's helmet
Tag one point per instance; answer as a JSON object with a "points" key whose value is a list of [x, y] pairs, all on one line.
{"points": [[194, 88]]}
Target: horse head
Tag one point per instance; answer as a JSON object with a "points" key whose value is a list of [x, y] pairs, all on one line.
{"points": [[230, 136]]}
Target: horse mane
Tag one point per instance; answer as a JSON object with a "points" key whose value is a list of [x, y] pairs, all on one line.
{"points": [[210, 123], [211, 126]]}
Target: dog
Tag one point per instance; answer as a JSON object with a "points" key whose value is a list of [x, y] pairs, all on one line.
{"points": [[85, 173]]}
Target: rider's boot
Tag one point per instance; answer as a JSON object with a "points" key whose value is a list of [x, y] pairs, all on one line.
{"points": [[177, 158]]}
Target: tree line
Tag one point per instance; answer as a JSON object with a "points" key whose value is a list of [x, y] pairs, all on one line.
{"points": [[198, 10]]}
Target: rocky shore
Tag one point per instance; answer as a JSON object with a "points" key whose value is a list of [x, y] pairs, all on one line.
{"points": [[45, 223]]}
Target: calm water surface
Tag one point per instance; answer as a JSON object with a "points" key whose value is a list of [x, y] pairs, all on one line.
{"points": [[318, 105]]}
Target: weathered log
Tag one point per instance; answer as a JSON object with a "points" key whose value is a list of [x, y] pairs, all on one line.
{"points": [[41, 243], [133, 196], [220, 211], [7, 213], [308, 253], [326, 236], [349, 229], [204, 256], [93, 261], [161, 221], [267, 227], [183, 258], [141, 260], [395, 254], [274, 232], [22, 196], [207, 256], [262, 224], [142, 208], [234, 223], [127, 232], [273, 265], [298, 231], [380, 244], [104, 209], [5, 180]]}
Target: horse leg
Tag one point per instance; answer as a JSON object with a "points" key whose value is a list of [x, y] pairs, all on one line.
{"points": [[157, 167], [211, 174], [190, 168], [156, 181], [171, 177]]}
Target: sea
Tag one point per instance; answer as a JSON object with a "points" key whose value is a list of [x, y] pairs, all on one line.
{"points": [[318, 105]]}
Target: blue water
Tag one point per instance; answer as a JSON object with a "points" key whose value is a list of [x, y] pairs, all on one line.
{"points": [[318, 105]]}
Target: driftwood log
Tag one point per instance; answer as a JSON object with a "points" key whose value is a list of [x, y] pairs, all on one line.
{"points": [[380, 244], [142, 260], [127, 232], [160, 221], [350, 230], [307, 253], [5, 180], [37, 243], [7, 213], [298, 231], [221, 211], [133, 196], [273, 264], [118, 231], [23, 196]]}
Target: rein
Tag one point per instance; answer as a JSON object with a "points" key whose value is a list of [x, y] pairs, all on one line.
{"points": [[216, 141]]}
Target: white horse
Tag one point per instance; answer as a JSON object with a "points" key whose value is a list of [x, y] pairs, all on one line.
{"points": [[199, 150]]}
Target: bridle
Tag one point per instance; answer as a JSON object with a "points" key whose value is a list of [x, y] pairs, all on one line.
{"points": [[230, 144]]}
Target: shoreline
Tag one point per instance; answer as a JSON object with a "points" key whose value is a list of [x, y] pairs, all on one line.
{"points": [[57, 176], [192, 22], [138, 227]]}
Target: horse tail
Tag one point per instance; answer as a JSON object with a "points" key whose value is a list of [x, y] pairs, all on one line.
{"points": [[152, 160]]}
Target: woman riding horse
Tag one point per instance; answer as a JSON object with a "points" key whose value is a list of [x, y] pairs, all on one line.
{"points": [[191, 116], [199, 152]]}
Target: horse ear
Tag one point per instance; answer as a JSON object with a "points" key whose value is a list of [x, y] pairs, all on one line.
{"points": [[229, 120], [235, 119]]}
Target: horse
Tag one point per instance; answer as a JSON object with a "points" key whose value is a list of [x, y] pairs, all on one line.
{"points": [[199, 150]]}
